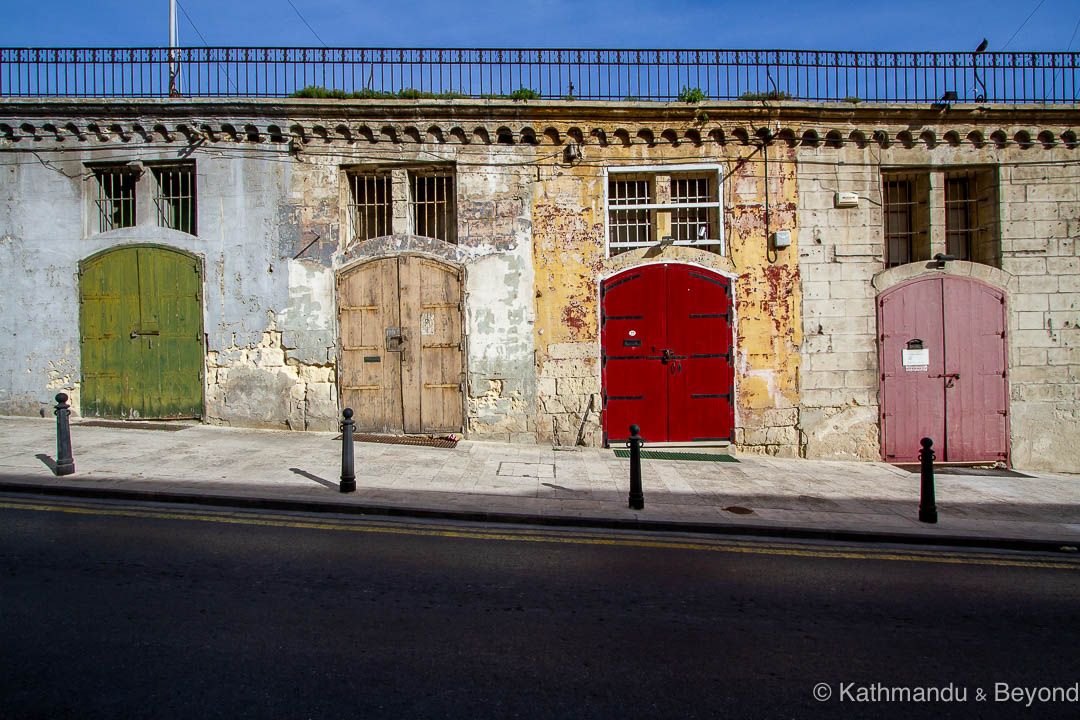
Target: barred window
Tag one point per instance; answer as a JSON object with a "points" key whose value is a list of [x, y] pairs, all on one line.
{"points": [[626, 226], [901, 230], [691, 219], [968, 197], [115, 201], [432, 200], [174, 197], [676, 204], [371, 207]]}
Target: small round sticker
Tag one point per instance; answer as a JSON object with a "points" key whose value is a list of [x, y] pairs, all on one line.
{"points": [[633, 333]]}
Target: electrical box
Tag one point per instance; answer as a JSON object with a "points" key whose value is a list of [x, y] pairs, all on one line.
{"points": [[847, 199], [781, 239]]}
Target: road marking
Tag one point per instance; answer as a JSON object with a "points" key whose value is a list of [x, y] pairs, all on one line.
{"points": [[566, 537]]}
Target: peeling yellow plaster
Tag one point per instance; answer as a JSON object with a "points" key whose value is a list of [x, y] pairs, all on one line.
{"points": [[568, 259]]}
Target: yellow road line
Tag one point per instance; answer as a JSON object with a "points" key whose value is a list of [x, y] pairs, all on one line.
{"points": [[540, 537]]}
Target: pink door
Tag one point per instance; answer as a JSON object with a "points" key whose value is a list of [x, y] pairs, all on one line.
{"points": [[943, 370]]}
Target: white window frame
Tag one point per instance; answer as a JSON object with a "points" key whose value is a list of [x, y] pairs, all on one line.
{"points": [[689, 168]]}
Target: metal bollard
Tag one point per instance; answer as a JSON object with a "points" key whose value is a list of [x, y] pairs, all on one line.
{"points": [[348, 474], [927, 502], [637, 497], [65, 464]]}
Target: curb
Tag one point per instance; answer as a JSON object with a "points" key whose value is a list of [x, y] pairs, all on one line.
{"points": [[799, 533]]}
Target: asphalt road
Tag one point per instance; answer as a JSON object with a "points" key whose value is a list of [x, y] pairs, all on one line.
{"points": [[122, 610]]}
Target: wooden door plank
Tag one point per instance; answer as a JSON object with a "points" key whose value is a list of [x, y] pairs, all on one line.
{"points": [[409, 269], [976, 398], [441, 348], [913, 401], [367, 305]]}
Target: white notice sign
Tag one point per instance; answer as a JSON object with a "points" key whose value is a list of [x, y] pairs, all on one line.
{"points": [[427, 323], [916, 360]]}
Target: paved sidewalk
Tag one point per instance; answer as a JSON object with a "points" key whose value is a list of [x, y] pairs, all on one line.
{"points": [[531, 483]]}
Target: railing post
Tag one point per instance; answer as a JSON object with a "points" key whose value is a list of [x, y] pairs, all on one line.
{"points": [[637, 497], [348, 475], [927, 501], [65, 464]]}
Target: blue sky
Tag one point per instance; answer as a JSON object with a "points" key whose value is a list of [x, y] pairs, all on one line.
{"points": [[912, 25]]}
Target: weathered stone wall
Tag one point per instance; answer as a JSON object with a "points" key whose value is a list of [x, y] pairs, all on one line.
{"points": [[272, 236], [1036, 215], [569, 255], [530, 238]]}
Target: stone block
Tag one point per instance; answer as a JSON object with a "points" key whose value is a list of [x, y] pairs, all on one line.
{"points": [[785, 451], [781, 416], [781, 436], [1065, 300], [1068, 356], [821, 379], [1026, 245], [1029, 303], [545, 386], [815, 290], [1037, 283], [1033, 356], [1018, 229], [861, 379], [583, 367], [1024, 265], [754, 436], [577, 386], [1063, 265], [1030, 320], [571, 351]]}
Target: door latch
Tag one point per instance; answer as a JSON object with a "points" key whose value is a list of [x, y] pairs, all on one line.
{"points": [[395, 340], [667, 356]]}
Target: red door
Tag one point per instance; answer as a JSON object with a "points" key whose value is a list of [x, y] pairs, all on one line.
{"points": [[667, 361], [955, 391]]}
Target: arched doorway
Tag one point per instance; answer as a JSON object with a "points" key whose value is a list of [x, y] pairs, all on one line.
{"points": [[402, 354], [666, 337], [943, 355], [141, 333]]}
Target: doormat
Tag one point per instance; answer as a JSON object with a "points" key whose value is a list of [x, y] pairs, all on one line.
{"points": [[665, 455], [404, 440], [961, 470], [134, 425]]}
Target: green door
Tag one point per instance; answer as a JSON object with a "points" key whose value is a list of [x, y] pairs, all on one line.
{"points": [[141, 333]]}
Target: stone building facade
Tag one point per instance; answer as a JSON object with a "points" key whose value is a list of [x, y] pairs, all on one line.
{"points": [[309, 220]]}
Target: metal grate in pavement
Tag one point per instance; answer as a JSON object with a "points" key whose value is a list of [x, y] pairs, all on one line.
{"points": [[405, 440], [665, 455]]}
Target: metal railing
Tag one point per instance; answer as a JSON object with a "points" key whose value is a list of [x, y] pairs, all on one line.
{"points": [[658, 75]]}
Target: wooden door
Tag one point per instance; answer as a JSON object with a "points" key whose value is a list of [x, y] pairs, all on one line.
{"points": [[958, 396], [976, 390], [667, 354], [913, 405], [141, 334], [402, 368], [701, 380]]}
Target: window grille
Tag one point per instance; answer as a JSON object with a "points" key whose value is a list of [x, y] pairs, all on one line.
{"points": [[691, 223], [900, 219], [961, 215], [628, 225], [686, 198], [371, 207], [174, 197], [432, 200], [115, 199]]}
